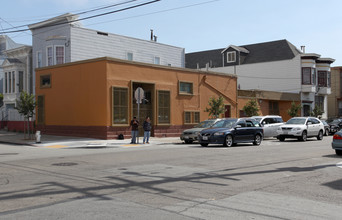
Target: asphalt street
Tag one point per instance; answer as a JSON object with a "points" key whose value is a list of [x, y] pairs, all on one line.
{"points": [[276, 180]]}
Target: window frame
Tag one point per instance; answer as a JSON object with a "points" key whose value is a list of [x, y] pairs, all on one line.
{"points": [[154, 60], [55, 54], [41, 60], [127, 56], [323, 79], [310, 73], [192, 117], [127, 106], [158, 107], [47, 56], [41, 81], [184, 92], [233, 54]]}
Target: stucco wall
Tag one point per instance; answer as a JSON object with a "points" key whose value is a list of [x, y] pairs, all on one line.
{"points": [[81, 93]]}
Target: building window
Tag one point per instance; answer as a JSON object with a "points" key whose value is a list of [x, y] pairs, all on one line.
{"points": [[314, 76], [231, 57], [322, 79], [191, 117], [157, 60], [39, 59], [130, 56], [45, 81], [49, 56], [59, 54], [306, 76], [319, 102], [9, 82], [329, 79], [339, 108], [6, 85], [13, 81], [40, 109], [185, 88], [273, 108], [163, 107], [21, 81], [120, 105]]}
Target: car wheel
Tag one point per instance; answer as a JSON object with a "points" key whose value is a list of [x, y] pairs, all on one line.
{"points": [[326, 133], [282, 138], [204, 145], [257, 139], [338, 152], [188, 141], [320, 135], [228, 141], [304, 136]]}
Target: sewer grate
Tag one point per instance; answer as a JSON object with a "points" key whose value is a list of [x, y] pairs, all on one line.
{"points": [[64, 164]]}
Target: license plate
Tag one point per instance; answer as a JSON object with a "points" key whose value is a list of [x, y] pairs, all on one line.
{"points": [[285, 132], [186, 137], [205, 138]]}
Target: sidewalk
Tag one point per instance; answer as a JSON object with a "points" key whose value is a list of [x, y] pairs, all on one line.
{"points": [[51, 140]]}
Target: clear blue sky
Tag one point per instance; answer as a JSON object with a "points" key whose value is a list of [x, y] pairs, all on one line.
{"points": [[199, 24]]}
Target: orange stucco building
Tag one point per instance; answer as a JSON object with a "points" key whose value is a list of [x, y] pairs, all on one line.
{"points": [[269, 103], [95, 98]]}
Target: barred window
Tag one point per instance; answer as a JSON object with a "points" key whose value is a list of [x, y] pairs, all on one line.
{"points": [[120, 105], [191, 117], [163, 107]]}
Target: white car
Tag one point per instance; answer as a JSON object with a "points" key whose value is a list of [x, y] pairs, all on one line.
{"points": [[301, 128], [270, 123]]}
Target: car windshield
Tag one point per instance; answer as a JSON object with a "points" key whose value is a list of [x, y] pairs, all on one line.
{"points": [[296, 121], [258, 119], [205, 124], [335, 121], [225, 123]]}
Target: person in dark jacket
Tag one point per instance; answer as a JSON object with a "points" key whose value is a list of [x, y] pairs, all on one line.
{"points": [[147, 129], [135, 130]]}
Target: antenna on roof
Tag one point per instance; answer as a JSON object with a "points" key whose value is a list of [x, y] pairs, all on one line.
{"points": [[151, 34]]}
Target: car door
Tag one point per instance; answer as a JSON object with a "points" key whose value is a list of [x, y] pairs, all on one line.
{"points": [[310, 127], [251, 130], [240, 131], [266, 122], [317, 126]]}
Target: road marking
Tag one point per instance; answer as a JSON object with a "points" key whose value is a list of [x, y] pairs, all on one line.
{"points": [[56, 146], [339, 165]]}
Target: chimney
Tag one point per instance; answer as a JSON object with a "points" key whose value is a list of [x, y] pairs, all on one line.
{"points": [[155, 38], [302, 48], [151, 34]]}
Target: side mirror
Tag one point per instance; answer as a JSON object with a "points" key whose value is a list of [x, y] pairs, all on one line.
{"points": [[309, 123], [238, 126]]}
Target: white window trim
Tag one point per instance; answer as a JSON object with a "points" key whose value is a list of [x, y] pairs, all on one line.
{"points": [[154, 60], [129, 52], [231, 52], [37, 57], [55, 55], [47, 56]]}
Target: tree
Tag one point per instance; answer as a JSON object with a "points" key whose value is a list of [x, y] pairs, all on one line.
{"points": [[251, 108], [25, 106], [317, 111], [216, 107], [293, 110]]}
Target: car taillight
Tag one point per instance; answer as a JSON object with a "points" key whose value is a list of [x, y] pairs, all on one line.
{"points": [[337, 137]]}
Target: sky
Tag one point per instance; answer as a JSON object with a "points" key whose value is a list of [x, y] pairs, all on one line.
{"points": [[197, 25]]}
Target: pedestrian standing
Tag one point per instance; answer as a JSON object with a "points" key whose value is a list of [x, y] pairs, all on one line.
{"points": [[147, 130], [135, 130]]}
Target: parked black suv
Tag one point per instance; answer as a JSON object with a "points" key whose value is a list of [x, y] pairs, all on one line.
{"points": [[335, 124]]}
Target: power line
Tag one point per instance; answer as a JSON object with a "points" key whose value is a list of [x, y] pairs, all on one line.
{"points": [[86, 18], [84, 12], [157, 12]]}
